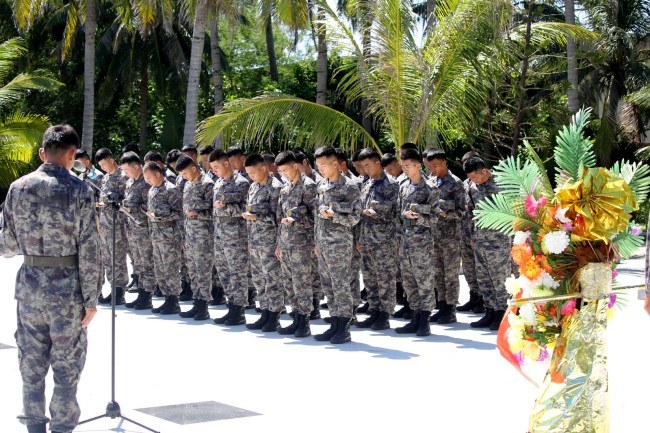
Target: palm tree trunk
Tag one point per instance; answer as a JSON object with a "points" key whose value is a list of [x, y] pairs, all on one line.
{"points": [[367, 50], [270, 49], [89, 78], [573, 98], [192, 100], [431, 6], [321, 62], [144, 94], [215, 54], [522, 82]]}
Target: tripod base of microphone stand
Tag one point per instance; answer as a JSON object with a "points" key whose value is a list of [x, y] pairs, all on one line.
{"points": [[113, 411]]}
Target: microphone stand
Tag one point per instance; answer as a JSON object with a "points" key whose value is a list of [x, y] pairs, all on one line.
{"points": [[113, 408]]}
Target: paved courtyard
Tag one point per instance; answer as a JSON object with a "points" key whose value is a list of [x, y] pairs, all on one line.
{"points": [[177, 375]]}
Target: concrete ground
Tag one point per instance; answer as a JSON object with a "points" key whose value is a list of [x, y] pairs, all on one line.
{"points": [[219, 379]]}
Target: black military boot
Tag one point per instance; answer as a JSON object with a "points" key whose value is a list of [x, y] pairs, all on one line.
{"points": [[364, 295], [328, 319], [364, 308], [411, 327], [37, 428], [480, 306], [324, 305], [157, 292], [448, 315], [342, 334], [381, 322], [172, 307], [186, 290], [218, 297], [484, 322], [251, 300], [423, 324], [496, 319], [399, 294], [315, 312], [131, 304], [119, 297], [303, 329], [237, 317], [163, 305], [369, 321], [442, 305], [400, 314], [133, 284], [291, 329], [259, 323], [469, 305], [189, 313], [145, 302], [327, 335], [202, 312], [273, 322], [221, 320]]}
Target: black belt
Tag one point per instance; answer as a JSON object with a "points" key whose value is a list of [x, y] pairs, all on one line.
{"points": [[162, 223], [51, 262], [229, 219]]}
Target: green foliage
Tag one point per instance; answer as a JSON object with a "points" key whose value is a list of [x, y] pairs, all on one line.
{"points": [[516, 178], [574, 151], [637, 176], [500, 212], [627, 244]]}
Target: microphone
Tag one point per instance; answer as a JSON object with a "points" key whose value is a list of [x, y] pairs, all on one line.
{"points": [[79, 166]]}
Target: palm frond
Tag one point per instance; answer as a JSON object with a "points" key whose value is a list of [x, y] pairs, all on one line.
{"points": [[23, 83], [291, 120], [71, 27], [627, 244], [573, 151], [10, 51], [546, 33], [547, 188], [499, 212], [20, 135], [637, 176], [641, 97], [515, 178], [293, 14]]}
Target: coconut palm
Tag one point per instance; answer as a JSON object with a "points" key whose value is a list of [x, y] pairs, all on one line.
{"points": [[20, 132]]}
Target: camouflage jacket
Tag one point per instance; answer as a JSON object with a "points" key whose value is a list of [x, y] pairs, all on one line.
{"points": [[344, 199], [467, 223], [135, 199], [113, 186], [165, 202], [452, 197], [381, 196], [297, 201], [197, 197], [233, 193], [481, 192], [263, 203], [421, 199], [52, 213]]}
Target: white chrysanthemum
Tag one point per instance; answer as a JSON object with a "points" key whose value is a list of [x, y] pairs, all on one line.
{"points": [[521, 238], [528, 314], [511, 286], [556, 242], [526, 285], [547, 281], [560, 215]]}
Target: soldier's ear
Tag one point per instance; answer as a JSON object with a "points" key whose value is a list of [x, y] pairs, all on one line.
{"points": [[41, 154]]}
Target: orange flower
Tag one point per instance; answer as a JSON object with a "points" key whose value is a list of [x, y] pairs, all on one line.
{"points": [[521, 253], [543, 263], [531, 269]]}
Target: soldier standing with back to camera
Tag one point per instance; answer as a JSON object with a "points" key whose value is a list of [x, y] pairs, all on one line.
{"points": [[50, 219]]}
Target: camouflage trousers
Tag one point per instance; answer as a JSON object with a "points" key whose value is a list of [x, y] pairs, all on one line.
{"points": [[296, 262], [121, 247], [335, 267], [317, 290], [416, 262], [469, 262], [493, 267], [165, 240], [446, 261], [355, 284], [265, 272], [183, 270], [51, 336], [142, 253], [379, 273], [231, 259], [199, 236]]}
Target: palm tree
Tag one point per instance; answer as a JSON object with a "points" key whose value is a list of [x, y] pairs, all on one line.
{"points": [[192, 99], [20, 132], [573, 98], [26, 12]]}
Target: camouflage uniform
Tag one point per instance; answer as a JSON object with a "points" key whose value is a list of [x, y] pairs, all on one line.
{"points": [[316, 287], [492, 253], [355, 284], [51, 214], [416, 243], [113, 186], [466, 248], [262, 240], [378, 240], [199, 235], [231, 238], [135, 203], [165, 203], [184, 272], [446, 237], [296, 242], [335, 240]]}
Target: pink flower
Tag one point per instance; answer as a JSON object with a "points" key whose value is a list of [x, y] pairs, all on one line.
{"points": [[532, 205], [612, 300], [614, 274], [635, 230], [543, 354], [568, 226], [568, 307], [519, 357]]}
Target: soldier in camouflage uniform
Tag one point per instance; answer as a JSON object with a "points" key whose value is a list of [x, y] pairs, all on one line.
{"points": [[199, 234], [91, 175], [261, 209], [112, 190], [446, 236], [295, 211], [378, 240], [230, 237], [339, 210], [418, 204], [135, 205], [491, 250], [50, 219], [164, 208]]}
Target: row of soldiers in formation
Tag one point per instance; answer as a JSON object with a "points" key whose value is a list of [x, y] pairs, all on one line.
{"points": [[272, 229]]}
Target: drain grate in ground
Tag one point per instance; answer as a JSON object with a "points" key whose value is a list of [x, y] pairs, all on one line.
{"points": [[192, 413]]}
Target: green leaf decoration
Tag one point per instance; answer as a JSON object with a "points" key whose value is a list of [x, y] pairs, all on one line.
{"points": [[499, 212], [627, 243], [573, 151], [516, 178], [547, 188], [637, 176]]}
